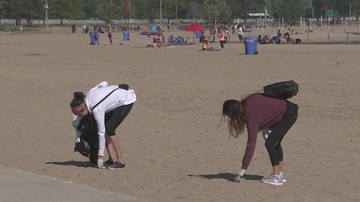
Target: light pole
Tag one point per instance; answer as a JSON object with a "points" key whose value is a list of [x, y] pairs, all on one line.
{"points": [[46, 15], [265, 15], [176, 10], [269, 7], [311, 8], [111, 10], [350, 12], [160, 14]]}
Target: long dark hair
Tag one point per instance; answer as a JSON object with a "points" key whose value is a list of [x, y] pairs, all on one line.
{"points": [[235, 112], [78, 99]]}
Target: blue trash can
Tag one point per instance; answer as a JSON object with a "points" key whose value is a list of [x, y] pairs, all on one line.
{"points": [[251, 45], [198, 34], [126, 35], [94, 38]]}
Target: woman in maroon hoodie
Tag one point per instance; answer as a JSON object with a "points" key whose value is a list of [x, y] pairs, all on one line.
{"points": [[258, 112]]}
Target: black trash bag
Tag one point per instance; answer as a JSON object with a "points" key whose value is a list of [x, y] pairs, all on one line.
{"points": [[89, 139], [82, 147]]}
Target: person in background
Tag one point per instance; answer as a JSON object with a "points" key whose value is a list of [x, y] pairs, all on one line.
{"points": [[222, 38], [73, 28], [13, 29], [258, 112], [85, 31], [240, 32], [109, 31], [205, 45], [109, 105], [160, 36], [279, 37]]}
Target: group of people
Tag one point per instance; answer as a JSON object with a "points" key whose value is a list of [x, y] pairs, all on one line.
{"points": [[95, 34], [15, 29], [110, 104], [279, 38], [224, 35], [160, 41]]}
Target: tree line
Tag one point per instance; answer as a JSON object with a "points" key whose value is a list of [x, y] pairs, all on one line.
{"points": [[222, 10]]}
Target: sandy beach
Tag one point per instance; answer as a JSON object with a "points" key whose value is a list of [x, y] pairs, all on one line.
{"points": [[173, 146]]}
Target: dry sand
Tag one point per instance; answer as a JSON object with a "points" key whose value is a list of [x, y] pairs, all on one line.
{"points": [[173, 149]]}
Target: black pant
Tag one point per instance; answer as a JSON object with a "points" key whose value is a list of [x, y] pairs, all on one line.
{"points": [[222, 44], [273, 143]]}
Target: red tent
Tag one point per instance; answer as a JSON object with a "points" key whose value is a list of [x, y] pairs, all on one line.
{"points": [[194, 28]]}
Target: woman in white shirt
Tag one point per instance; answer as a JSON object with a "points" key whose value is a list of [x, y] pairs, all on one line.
{"points": [[109, 105]]}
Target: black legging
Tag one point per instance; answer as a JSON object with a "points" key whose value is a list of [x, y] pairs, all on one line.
{"points": [[273, 142], [115, 117]]}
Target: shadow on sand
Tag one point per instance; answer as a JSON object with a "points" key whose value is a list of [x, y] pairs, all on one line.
{"points": [[228, 176], [72, 163]]}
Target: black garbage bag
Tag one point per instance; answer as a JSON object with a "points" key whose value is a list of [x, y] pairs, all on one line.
{"points": [[89, 139]]}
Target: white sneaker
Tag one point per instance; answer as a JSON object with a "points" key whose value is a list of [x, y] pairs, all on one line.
{"points": [[282, 177], [273, 179]]}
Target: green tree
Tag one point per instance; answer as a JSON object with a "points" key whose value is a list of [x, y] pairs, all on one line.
{"points": [[3, 4], [25, 9], [138, 12], [66, 9], [211, 12], [225, 13], [194, 9], [90, 8], [290, 11]]}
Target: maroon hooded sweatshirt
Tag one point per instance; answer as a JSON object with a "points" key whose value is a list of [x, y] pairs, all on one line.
{"points": [[261, 112]]}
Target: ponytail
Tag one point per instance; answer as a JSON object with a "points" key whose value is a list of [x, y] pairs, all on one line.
{"points": [[78, 99]]}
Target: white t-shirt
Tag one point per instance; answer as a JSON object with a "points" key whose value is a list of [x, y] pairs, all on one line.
{"points": [[77, 119], [240, 31], [118, 98]]}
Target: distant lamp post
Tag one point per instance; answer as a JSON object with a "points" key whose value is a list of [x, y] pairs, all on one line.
{"points": [[46, 15], [265, 10], [111, 6], [160, 14]]}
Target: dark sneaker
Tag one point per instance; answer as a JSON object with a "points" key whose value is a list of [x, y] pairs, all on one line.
{"points": [[108, 163], [116, 165]]}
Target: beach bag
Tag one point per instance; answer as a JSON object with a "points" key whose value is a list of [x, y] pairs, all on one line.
{"points": [[281, 90]]}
